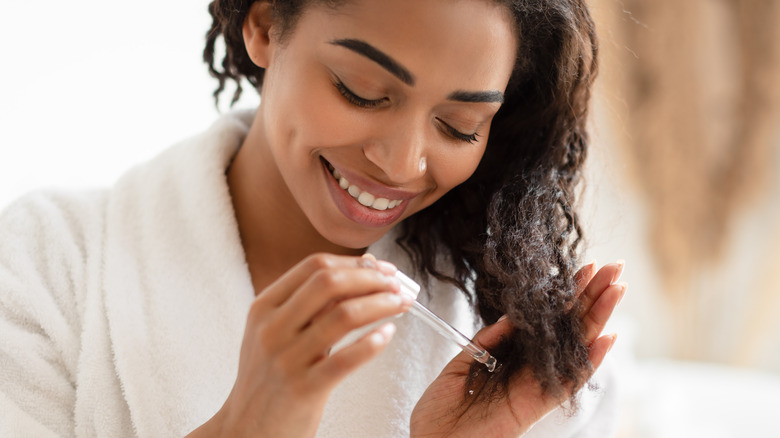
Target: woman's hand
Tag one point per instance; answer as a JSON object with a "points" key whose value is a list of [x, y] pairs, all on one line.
{"points": [[285, 371], [441, 411]]}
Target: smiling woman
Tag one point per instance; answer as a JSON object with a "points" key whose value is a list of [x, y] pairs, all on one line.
{"points": [[211, 284]]}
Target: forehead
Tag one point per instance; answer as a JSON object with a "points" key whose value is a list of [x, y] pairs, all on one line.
{"points": [[469, 40]]}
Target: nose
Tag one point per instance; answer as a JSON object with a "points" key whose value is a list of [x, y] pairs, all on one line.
{"points": [[400, 154]]}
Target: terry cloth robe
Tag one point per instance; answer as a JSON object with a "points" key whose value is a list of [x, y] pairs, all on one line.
{"points": [[122, 312]]}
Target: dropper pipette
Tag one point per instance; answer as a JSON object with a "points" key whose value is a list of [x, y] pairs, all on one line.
{"points": [[410, 287]]}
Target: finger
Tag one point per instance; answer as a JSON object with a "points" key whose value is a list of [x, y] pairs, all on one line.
{"points": [[583, 277], [369, 256], [599, 349], [605, 277], [596, 319], [491, 335], [330, 371], [326, 287], [346, 316], [281, 290], [488, 337], [383, 266]]}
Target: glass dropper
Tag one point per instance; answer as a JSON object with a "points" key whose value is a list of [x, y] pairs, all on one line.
{"points": [[410, 287]]}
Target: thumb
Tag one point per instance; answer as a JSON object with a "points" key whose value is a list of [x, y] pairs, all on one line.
{"points": [[491, 335]]}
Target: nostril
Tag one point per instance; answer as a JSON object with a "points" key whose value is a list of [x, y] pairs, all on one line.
{"points": [[399, 164]]}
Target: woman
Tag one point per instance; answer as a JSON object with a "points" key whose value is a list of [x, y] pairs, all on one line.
{"points": [[443, 136]]}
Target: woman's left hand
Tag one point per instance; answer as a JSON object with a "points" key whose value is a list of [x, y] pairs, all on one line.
{"points": [[441, 410]]}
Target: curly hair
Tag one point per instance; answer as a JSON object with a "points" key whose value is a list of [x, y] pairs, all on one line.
{"points": [[510, 233]]}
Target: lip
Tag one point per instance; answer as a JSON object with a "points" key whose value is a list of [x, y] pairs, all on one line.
{"points": [[358, 213], [378, 190]]}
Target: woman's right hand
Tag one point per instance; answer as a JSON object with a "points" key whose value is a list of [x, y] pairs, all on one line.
{"points": [[286, 371]]}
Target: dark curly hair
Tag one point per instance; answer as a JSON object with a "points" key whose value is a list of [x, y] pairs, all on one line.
{"points": [[510, 231]]}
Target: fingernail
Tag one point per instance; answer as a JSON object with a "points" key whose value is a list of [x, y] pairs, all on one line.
{"points": [[619, 271], [367, 263], [503, 317], [623, 287], [394, 299], [383, 334], [406, 299], [588, 270], [386, 268], [394, 284], [611, 344]]}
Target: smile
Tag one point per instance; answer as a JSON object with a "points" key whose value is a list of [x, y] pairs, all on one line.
{"points": [[364, 198]]}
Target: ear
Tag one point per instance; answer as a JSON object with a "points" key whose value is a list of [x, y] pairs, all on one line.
{"points": [[257, 32]]}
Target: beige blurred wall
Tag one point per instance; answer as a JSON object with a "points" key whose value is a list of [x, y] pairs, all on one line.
{"points": [[684, 176]]}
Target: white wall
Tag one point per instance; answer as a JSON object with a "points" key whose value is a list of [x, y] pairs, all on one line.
{"points": [[88, 88]]}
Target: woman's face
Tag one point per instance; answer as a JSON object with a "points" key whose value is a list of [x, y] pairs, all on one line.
{"points": [[373, 111]]}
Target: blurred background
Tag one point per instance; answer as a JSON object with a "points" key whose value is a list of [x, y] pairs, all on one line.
{"points": [[683, 178]]}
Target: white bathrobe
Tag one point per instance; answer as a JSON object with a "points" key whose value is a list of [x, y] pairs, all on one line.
{"points": [[122, 312]]}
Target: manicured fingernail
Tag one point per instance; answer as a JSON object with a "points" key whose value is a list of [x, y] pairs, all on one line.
{"points": [[406, 299], [393, 284], [366, 262], [383, 334], [394, 299], [619, 271], [587, 270], [611, 344], [386, 268], [623, 287]]}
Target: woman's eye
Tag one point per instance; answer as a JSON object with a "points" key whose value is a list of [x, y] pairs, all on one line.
{"points": [[355, 99], [454, 133]]}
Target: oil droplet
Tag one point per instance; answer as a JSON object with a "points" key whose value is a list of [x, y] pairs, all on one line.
{"points": [[491, 364]]}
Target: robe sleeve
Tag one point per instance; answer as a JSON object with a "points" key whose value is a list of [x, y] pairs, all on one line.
{"points": [[41, 260]]}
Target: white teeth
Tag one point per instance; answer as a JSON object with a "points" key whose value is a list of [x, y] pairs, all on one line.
{"points": [[365, 198], [380, 204]]}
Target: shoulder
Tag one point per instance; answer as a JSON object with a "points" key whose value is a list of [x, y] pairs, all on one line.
{"points": [[48, 222], [46, 240]]}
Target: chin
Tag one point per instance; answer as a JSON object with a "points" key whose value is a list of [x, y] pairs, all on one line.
{"points": [[355, 241], [353, 238]]}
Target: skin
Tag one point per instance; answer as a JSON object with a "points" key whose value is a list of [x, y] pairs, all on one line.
{"points": [[303, 118], [439, 412], [304, 239]]}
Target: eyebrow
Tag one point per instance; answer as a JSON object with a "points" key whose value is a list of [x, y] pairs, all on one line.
{"points": [[388, 63], [376, 55], [477, 96]]}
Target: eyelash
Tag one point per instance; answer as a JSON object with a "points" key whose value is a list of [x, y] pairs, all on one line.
{"points": [[454, 133], [356, 100]]}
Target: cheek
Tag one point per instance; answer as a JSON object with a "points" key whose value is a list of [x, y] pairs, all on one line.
{"points": [[454, 168], [323, 120]]}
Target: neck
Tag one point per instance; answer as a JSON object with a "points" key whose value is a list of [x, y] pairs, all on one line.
{"points": [[275, 233]]}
